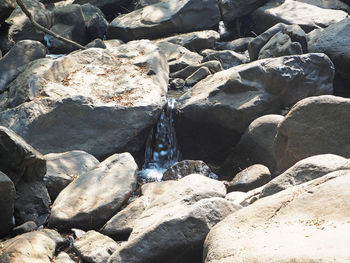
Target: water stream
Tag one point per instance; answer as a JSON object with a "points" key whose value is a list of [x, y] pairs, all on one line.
{"points": [[161, 148]]}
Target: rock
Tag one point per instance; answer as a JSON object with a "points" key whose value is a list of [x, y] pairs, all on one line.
{"points": [[96, 24], [26, 227], [194, 41], [62, 168], [176, 220], [255, 146], [18, 159], [124, 106], [306, 170], [94, 247], [308, 215], [213, 65], [37, 246], [227, 58], [113, 43], [181, 169], [308, 17], [250, 178], [68, 22], [63, 257], [176, 84], [6, 7], [7, 200], [165, 18], [78, 233], [108, 7], [97, 43], [280, 45], [328, 4], [313, 126], [160, 195], [237, 45], [333, 41], [244, 199], [197, 76], [218, 109], [233, 9], [295, 33], [32, 202], [94, 197], [20, 27], [178, 56], [21, 54]]}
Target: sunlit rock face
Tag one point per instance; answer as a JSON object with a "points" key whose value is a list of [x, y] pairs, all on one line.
{"points": [[96, 100]]}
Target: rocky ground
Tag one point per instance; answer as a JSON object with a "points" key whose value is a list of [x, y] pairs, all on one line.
{"points": [[261, 119]]}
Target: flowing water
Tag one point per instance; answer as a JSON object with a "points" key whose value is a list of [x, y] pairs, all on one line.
{"points": [[161, 148]]}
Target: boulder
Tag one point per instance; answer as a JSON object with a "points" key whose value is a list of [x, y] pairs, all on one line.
{"points": [[62, 168], [7, 200], [308, 17], [186, 167], [280, 45], [28, 226], [333, 41], [197, 76], [68, 22], [218, 109], [244, 198], [95, 22], [313, 126], [313, 216], [32, 202], [237, 45], [20, 27], [94, 197], [108, 7], [94, 247], [18, 159], [165, 18], [20, 55], [306, 170], [178, 56], [227, 58], [213, 65], [176, 84], [63, 257], [233, 9], [112, 95], [6, 7], [176, 220], [250, 178], [329, 4], [37, 246], [295, 33], [194, 41], [255, 146], [97, 43]]}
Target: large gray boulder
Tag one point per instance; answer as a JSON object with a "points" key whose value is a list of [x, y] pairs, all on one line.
{"points": [[62, 168], [313, 126], [306, 170], [308, 17], [94, 197], [112, 95], [194, 41], [7, 200], [218, 109], [108, 7], [334, 42], [329, 4], [18, 159], [94, 247], [20, 27], [306, 223], [37, 246], [186, 167], [6, 7], [176, 218], [255, 146], [165, 18], [233, 9], [20, 55]]}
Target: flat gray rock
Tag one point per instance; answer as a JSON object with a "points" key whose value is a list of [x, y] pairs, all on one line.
{"points": [[94, 197]]}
